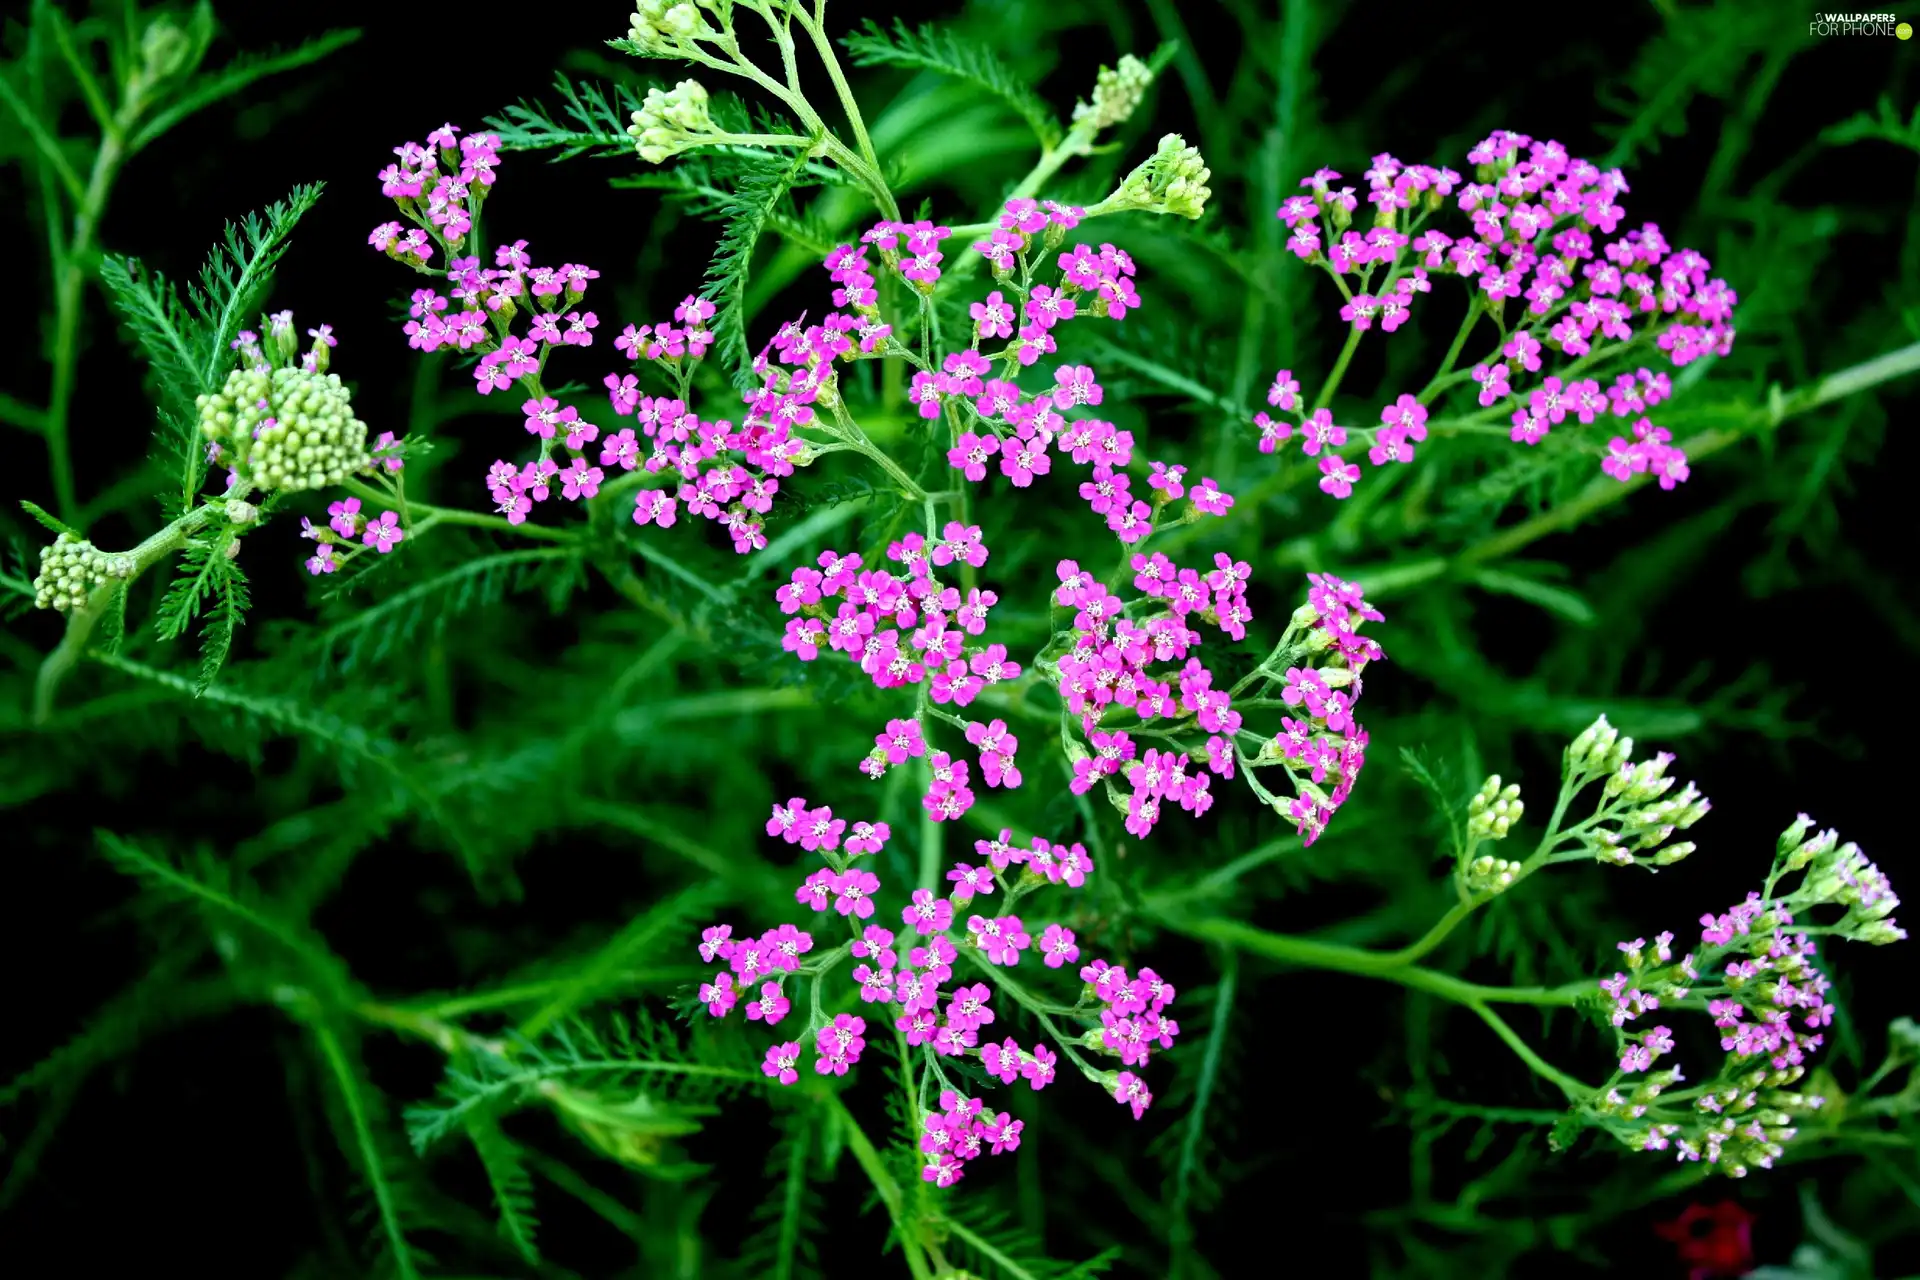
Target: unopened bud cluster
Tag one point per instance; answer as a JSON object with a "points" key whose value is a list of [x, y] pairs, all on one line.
{"points": [[1172, 180], [284, 428], [1494, 810], [1637, 816], [1840, 875], [1491, 875], [70, 568], [669, 122], [1116, 92], [662, 25]]}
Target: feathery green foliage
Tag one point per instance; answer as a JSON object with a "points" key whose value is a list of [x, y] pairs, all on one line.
{"points": [[932, 48], [595, 718]]}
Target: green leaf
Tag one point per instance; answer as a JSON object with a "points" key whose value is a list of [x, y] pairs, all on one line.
{"points": [[512, 1185], [49, 146], [932, 48], [1555, 600], [237, 273], [230, 603], [201, 577], [354, 1095], [627, 1073], [210, 88], [748, 212], [594, 123], [1444, 804], [162, 327], [47, 520]]}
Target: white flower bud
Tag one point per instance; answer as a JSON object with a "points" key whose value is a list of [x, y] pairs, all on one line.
{"points": [[1116, 93]]}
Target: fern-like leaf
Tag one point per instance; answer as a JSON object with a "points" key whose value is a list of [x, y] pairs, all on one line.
{"points": [[214, 86], [642, 939], [161, 326], [750, 210], [206, 883], [986, 1242], [591, 121], [639, 1058], [781, 1248], [228, 611], [932, 48], [512, 1185], [238, 271]]}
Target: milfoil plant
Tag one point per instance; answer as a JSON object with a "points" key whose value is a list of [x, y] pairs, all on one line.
{"points": [[940, 512]]}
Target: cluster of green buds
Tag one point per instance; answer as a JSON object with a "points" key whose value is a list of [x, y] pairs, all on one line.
{"points": [[1491, 814], [1487, 874], [1117, 91], [1494, 810], [1839, 875], [669, 122], [669, 26], [286, 425], [1172, 180], [1636, 816], [71, 567]]}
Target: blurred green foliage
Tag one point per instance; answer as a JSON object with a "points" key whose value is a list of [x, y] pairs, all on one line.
{"points": [[486, 792]]}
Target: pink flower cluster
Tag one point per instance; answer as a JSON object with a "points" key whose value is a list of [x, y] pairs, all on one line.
{"points": [[1756, 978], [1535, 228], [1327, 738], [960, 1132], [480, 305], [911, 970], [734, 494], [383, 532]]}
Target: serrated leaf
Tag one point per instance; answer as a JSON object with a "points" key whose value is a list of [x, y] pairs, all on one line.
{"points": [[48, 520], [931, 48], [749, 211]]}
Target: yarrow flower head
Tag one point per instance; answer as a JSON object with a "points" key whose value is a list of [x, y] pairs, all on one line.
{"points": [[1537, 242], [909, 977]]}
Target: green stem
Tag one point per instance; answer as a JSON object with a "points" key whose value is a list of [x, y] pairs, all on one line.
{"points": [[1434, 386], [1385, 965], [1325, 397], [71, 276], [1575, 1090], [885, 1187], [80, 623], [426, 517], [815, 27]]}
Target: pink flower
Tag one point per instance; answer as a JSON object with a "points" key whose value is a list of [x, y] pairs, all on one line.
{"points": [[385, 533], [781, 1059], [901, 740], [853, 890], [719, 995], [1337, 477], [1131, 1090]]}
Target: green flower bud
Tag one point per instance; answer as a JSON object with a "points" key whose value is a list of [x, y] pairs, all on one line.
{"points": [[662, 24], [285, 429], [1172, 180], [1673, 853], [165, 50], [1116, 92], [70, 568]]}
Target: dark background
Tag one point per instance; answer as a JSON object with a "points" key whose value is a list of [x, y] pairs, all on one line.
{"points": [[206, 1135]]}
